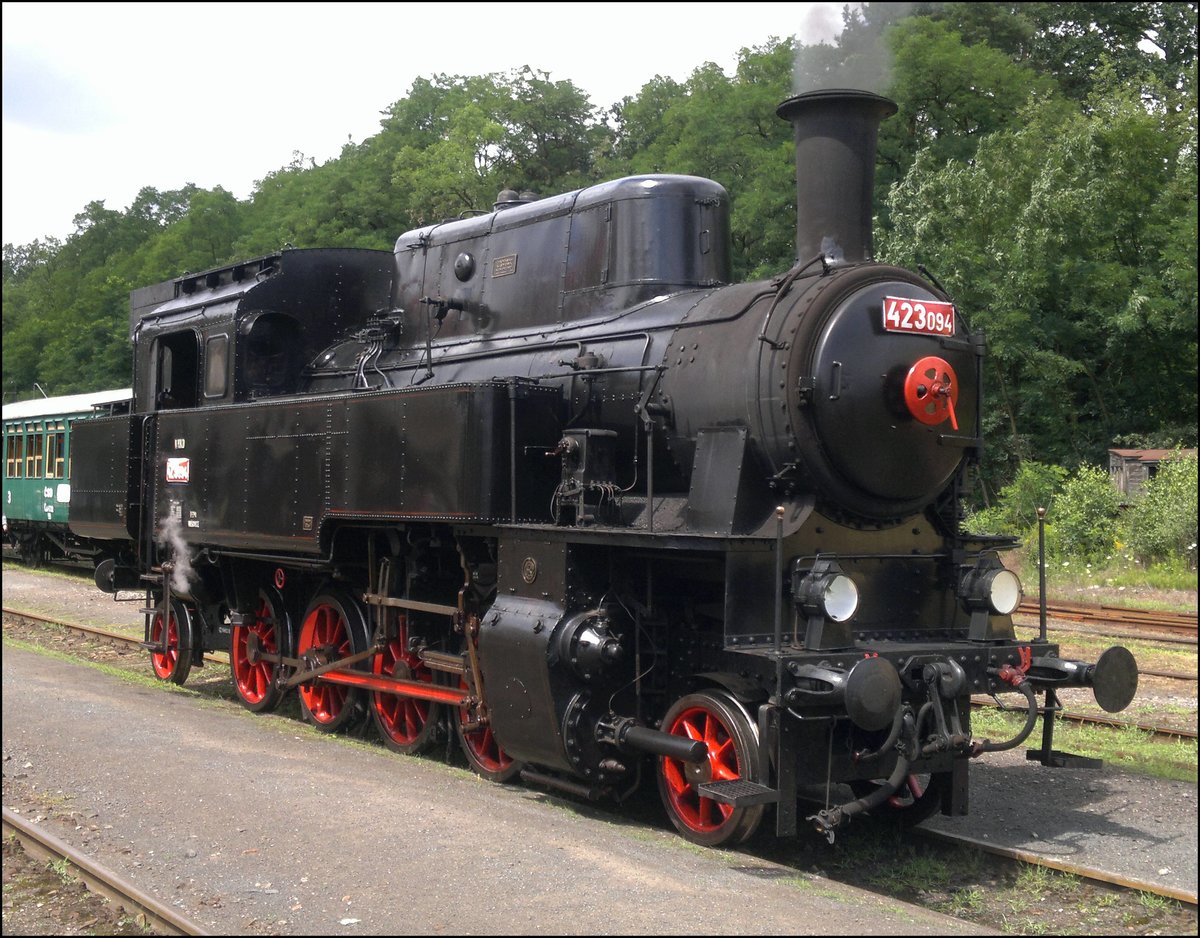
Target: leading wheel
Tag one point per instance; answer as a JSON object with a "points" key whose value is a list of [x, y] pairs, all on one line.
{"points": [[407, 724], [333, 627], [255, 679], [171, 636], [722, 724], [917, 799]]}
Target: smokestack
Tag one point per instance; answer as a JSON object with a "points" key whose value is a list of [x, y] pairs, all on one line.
{"points": [[835, 171]]}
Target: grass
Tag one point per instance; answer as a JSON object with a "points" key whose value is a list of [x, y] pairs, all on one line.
{"points": [[1132, 749], [62, 869], [1121, 574], [1117, 581]]}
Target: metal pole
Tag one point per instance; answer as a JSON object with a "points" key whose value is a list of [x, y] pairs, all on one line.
{"points": [[1051, 706], [650, 469], [512, 451], [779, 603], [1041, 513]]}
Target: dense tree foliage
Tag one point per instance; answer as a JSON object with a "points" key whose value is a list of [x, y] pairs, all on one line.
{"points": [[1042, 165]]}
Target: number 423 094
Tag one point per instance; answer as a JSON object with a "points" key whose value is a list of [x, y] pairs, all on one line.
{"points": [[926, 317]]}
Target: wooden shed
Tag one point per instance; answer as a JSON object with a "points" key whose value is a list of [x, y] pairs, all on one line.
{"points": [[1130, 469]]}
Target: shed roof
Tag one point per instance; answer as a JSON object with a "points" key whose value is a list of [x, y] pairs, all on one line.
{"points": [[1152, 455]]}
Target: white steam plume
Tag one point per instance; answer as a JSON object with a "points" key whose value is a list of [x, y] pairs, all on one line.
{"points": [[170, 534], [860, 60]]}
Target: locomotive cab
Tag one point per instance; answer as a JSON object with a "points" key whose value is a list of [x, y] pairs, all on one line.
{"points": [[246, 330]]}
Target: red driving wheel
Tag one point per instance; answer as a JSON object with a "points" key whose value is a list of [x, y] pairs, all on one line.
{"points": [[407, 724], [931, 391]]}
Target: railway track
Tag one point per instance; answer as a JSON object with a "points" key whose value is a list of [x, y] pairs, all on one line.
{"points": [[219, 658], [98, 879], [1058, 864], [1164, 732], [1155, 621]]}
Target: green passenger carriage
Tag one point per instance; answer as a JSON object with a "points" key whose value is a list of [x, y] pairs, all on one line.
{"points": [[37, 471]]}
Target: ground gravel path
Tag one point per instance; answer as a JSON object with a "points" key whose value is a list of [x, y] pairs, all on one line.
{"points": [[254, 826]]}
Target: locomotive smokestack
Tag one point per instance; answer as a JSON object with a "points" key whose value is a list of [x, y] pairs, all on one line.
{"points": [[835, 171]]}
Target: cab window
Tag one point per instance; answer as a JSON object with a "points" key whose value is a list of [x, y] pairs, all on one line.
{"points": [[216, 366]]}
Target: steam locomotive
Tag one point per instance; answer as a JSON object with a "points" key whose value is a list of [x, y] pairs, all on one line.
{"points": [[546, 480]]}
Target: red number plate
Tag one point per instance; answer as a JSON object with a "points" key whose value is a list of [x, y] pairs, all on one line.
{"points": [[927, 317]]}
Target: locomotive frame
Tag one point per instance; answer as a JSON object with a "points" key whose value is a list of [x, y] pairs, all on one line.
{"points": [[545, 479]]}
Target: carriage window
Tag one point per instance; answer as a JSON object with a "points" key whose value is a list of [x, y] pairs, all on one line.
{"points": [[14, 464], [33, 456], [56, 452], [216, 366]]}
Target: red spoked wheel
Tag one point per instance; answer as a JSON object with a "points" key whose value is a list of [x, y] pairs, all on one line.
{"points": [[479, 745], [172, 658], [407, 724], [917, 799], [333, 627], [255, 680], [931, 391], [721, 723]]}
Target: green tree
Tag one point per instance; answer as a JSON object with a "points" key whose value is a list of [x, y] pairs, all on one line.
{"points": [[1138, 40], [1065, 239], [203, 237], [456, 141]]}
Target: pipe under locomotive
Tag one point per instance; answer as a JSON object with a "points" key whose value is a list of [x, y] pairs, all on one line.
{"points": [[545, 479]]}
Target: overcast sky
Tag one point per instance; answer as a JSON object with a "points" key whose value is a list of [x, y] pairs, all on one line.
{"points": [[101, 99]]}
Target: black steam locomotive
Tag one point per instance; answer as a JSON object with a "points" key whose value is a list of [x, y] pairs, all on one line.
{"points": [[545, 479]]}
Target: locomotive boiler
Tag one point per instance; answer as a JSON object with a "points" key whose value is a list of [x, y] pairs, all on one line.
{"points": [[546, 480]]}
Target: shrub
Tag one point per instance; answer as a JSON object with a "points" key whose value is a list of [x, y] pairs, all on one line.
{"points": [[1160, 526], [1035, 486], [1084, 523]]}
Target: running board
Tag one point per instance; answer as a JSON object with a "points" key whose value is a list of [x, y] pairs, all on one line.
{"points": [[738, 792]]}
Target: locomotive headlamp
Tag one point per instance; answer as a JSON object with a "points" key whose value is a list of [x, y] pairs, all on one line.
{"points": [[824, 590], [989, 586]]}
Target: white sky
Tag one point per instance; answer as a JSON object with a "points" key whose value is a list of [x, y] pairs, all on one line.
{"points": [[101, 99]]}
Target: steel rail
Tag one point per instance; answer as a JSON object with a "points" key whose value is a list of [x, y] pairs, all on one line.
{"points": [[1148, 620], [1168, 731], [94, 631], [221, 658], [1150, 638], [98, 879], [1054, 863]]}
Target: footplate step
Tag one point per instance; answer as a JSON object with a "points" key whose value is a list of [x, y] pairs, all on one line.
{"points": [[738, 792]]}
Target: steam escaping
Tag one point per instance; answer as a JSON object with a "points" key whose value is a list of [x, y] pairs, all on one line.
{"points": [[860, 58], [820, 22], [170, 534]]}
